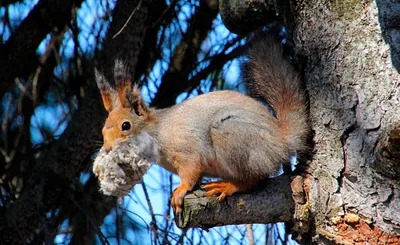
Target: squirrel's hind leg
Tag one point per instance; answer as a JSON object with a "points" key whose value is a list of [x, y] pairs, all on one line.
{"points": [[227, 188]]}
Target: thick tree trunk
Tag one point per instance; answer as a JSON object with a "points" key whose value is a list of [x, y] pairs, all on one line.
{"points": [[353, 90]]}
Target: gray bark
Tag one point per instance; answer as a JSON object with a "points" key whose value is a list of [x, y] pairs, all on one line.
{"points": [[351, 55], [245, 208], [353, 89]]}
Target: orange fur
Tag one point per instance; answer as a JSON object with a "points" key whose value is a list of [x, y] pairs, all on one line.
{"points": [[112, 128], [189, 173], [227, 188], [122, 90], [107, 100]]}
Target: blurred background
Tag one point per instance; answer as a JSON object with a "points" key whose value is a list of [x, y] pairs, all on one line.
{"points": [[51, 115]]}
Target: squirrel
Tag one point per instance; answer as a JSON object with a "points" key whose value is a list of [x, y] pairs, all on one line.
{"points": [[223, 134]]}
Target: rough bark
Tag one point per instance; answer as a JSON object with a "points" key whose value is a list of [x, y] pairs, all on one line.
{"points": [[257, 207], [388, 157], [350, 54], [353, 88]]}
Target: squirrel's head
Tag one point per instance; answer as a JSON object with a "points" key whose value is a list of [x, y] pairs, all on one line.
{"points": [[127, 111]]}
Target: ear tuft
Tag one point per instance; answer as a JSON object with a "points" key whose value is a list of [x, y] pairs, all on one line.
{"points": [[129, 96], [101, 81], [121, 72], [123, 82], [108, 94]]}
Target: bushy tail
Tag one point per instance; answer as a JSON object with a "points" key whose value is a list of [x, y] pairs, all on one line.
{"points": [[271, 77]]}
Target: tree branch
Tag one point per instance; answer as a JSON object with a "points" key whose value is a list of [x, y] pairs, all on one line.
{"points": [[272, 204], [235, 14], [185, 56], [46, 16]]}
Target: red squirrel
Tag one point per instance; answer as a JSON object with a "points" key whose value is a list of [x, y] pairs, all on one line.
{"points": [[221, 134]]}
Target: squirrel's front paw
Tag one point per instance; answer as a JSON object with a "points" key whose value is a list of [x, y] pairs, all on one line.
{"points": [[223, 188], [177, 198]]}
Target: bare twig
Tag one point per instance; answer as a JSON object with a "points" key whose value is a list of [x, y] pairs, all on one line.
{"points": [[127, 21], [172, 4], [153, 225], [92, 222], [250, 234]]}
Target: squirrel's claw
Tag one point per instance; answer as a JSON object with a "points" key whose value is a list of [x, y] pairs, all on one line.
{"points": [[223, 188], [177, 198]]}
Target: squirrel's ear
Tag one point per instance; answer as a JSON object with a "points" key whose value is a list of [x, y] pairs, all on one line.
{"points": [[128, 96], [123, 82], [137, 103], [108, 94]]}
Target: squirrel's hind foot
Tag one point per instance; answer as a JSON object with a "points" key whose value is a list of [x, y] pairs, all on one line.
{"points": [[225, 188]]}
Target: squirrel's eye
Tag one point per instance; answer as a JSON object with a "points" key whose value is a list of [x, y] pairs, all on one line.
{"points": [[126, 126]]}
